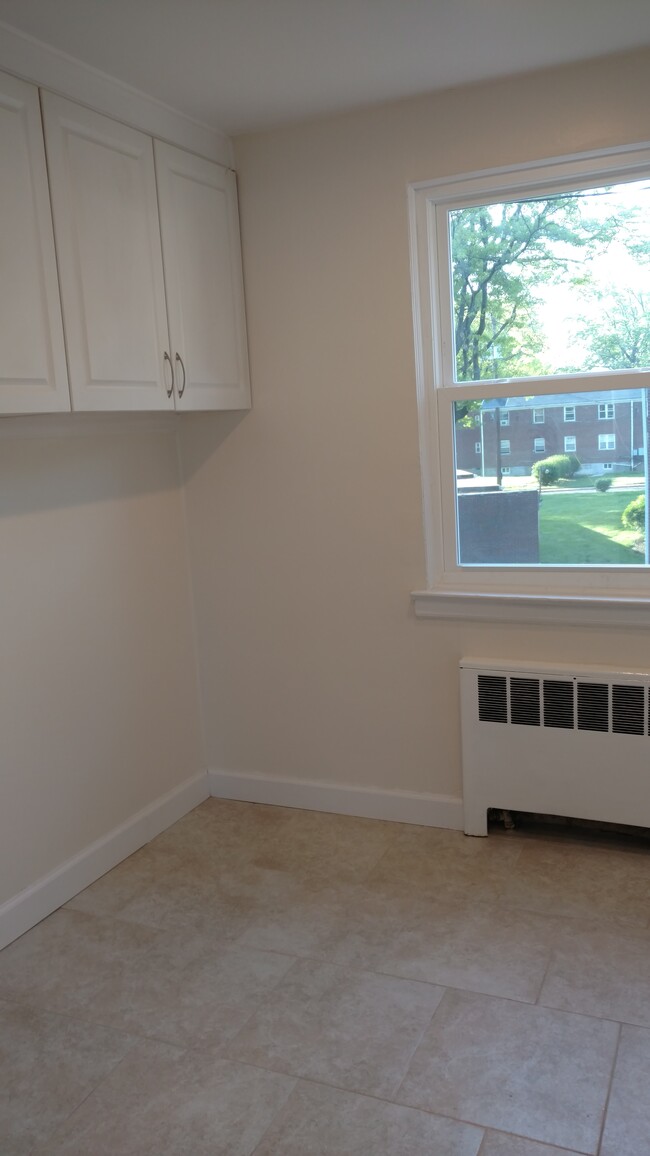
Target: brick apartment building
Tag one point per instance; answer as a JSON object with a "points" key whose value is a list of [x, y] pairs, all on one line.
{"points": [[604, 434]]}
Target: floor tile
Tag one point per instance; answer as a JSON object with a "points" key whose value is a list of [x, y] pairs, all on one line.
{"points": [[203, 1004], [327, 847], [627, 1126], [48, 1065], [162, 1101], [355, 1030], [352, 925], [570, 879], [110, 894], [539, 1073], [325, 1122], [477, 947], [60, 964], [447, 864], [600, 974], [188, 902], [498, 1144]]}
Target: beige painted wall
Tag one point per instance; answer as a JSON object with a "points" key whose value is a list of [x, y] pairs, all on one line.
{"points": [[305, 515], [98, 695]]}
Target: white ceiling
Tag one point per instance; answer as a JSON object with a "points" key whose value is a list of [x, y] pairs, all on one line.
{"points": [[241, 65]]}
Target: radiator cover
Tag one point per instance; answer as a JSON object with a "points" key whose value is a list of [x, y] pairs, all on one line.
{"points": [[556, 740]]}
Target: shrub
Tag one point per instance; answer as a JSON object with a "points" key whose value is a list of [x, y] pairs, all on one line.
{"points": [[557, 466], [602, 484], [633, 516]]}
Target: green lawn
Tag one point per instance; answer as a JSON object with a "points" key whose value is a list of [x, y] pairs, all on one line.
{"points": [[586, 529]]}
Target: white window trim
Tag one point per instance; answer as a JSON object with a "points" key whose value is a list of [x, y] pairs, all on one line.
{"points": [[608, 449], [606, 416], [573, 410], [537, 449], [570, 438], [538, 420], [576, 595]]}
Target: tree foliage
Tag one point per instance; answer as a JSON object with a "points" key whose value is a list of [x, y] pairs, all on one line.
{"points": [[500, 255], [620, 337]]}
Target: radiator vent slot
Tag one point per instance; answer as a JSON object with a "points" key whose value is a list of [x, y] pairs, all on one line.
{"points": [[492, 698], [525, 701], [558, 703], [593, 706], [628, 709]]}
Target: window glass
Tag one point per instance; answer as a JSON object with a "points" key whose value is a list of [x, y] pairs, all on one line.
{"points": [[548, 508], [538, 416], [570, 413], [559, 285]]}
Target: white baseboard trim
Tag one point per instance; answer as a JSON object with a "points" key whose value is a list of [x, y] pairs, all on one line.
{"points": [[365, 802], [43, 897]]}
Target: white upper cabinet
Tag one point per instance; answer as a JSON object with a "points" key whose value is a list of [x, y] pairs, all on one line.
{"points": [[103, 190], [33, 376], [203, 279]]}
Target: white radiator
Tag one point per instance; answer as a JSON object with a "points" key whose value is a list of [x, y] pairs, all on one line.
{"points": [[555, 740]]}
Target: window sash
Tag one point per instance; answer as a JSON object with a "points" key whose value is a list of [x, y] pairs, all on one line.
{"points": [[437, 389]]}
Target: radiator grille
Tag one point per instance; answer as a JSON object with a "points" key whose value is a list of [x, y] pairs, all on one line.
{"points": [[628, 709], [565, 703], [558, 703], [493, 698], [525, 701]]}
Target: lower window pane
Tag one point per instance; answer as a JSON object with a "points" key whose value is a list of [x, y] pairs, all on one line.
{"points": [[574, 498]]}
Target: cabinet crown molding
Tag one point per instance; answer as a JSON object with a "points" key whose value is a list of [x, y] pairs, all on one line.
{"points": [[32, 60]]}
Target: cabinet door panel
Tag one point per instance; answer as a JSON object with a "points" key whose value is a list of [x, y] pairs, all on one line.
{"points": [[203, 279], [33, 374], [108, 246]]}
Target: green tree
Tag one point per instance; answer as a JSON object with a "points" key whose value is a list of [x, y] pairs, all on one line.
{"points": [[619, 336], [500, 255]]}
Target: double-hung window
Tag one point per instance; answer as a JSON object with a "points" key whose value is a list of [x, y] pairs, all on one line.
{"points": [[531, 290]]}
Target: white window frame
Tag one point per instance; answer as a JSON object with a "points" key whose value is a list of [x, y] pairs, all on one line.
{"points": [[570, 449], [572, 410], [571, 594], [539, 448], [536, 419], [477, 447], [505, 446], [606, 443], [504, 418], [606, 416]]}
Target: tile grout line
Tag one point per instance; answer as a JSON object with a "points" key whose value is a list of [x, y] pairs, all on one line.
{"points": [[609, 1090]]}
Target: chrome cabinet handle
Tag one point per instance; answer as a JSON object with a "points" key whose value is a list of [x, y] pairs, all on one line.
{"points": [[181, 389], [166, 357]]}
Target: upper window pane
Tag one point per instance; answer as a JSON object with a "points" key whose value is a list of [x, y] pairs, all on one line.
{"points": [[552, 286]]}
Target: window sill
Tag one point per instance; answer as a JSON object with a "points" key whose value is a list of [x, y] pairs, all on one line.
{"points": [[531, 609]]}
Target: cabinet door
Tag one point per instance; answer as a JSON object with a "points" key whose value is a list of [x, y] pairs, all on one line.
{"points": [[33, 374], [107, 235], [203, 280]]}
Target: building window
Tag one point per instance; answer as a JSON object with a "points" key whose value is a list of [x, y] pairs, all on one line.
{"points": [[505, 469], [539, 445], [606, 411], [491, 287], [569, 445], [477, 447], [608, 465], [504, 419]]}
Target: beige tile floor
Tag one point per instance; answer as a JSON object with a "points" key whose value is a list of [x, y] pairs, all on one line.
{"points": [[287, 983]]}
